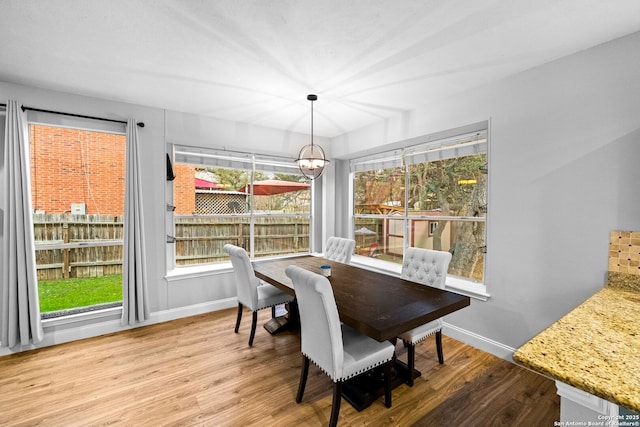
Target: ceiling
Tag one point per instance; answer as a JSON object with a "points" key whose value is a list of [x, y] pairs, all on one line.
{"points": [[255, 61]]}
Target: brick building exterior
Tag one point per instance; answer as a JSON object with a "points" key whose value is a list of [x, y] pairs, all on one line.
{"points": [[80, 167], [72, 166], [184, 198]]}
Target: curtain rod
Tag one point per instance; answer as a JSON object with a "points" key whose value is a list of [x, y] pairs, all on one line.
{"points": [[140, 124], [24, 108]]}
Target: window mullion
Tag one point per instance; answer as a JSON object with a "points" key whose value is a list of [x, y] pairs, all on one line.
{"points": [[252, 218], [406, 240]]}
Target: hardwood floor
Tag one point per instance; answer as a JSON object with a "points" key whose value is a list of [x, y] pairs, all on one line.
{"points": [[197, 372]]}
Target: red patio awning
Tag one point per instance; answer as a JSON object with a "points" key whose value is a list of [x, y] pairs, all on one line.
{"points": [[274, 186]]}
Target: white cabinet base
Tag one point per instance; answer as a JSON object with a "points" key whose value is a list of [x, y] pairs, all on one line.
{"points": [[578, 407]]}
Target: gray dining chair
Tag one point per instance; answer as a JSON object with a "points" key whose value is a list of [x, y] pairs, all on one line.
{"points": [[337, 349], [427, 267], [339, 249], [253, 293]]}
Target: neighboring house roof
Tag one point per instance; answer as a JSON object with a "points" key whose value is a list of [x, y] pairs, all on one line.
{"points": [[203, 183]]}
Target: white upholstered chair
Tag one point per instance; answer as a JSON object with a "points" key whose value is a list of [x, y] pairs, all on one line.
{"points": [[253, 293], [339, 249], [427, 267], [337, 349]]}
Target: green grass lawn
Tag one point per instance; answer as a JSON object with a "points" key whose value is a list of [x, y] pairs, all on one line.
{"points": [[62, 294]]}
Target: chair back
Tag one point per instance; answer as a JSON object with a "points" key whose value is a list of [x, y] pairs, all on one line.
{"points": [[339, 249], [373, 250], [426, 266], [246, 280], [320, 330]]}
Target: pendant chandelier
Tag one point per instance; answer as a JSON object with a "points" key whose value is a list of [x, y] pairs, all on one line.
{"points": [[311, 159]]}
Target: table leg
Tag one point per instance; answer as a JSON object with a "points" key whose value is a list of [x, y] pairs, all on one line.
{"points": [[288, 322], [363, 390]]}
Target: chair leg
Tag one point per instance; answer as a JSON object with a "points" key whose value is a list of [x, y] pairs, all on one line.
{"points": [[411, 359], [239, 317], [394, 341], [304, 372], [439, 347], [387, 383], [254, 322], [273, 311], [335, 406]]}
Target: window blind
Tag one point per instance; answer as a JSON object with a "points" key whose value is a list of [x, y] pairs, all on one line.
{"points": [[276, 164], [390, 159], [212, 158], [445, 148], [459, 146], [220, 158]]}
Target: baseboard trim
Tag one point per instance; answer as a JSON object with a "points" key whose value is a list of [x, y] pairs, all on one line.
{"points": [[53, 336], [478, 341], [193, 310]]}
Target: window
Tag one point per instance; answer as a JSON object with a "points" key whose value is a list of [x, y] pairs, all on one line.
{"points": [[260, 203], [77, 192], [430, 196]]}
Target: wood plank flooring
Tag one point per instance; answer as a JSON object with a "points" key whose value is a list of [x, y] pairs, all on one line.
{"points": [[196, 372]]}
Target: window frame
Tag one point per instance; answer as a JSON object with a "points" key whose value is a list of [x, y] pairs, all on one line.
{"points": [[179, 152], [395, 157], [52, 119]]}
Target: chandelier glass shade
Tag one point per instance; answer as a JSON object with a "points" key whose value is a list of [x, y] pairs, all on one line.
{"points": [[311, 161]]}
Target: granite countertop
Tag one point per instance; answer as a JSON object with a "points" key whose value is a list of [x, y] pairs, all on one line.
{"points": [[595, 347]]}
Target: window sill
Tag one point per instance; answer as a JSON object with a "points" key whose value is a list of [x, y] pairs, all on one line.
{"points": [[459, 285], [80, 310], [469, 288], [189, 272], [203, 270], [377, 265], [111, 312]]}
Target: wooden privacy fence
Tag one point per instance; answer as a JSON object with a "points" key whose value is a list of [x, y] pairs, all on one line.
{"points": [[201, 239], [91, 245], [77, 245]]}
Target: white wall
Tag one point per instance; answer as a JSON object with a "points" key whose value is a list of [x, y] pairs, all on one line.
{"points": [[564, 156], [203, 131]]}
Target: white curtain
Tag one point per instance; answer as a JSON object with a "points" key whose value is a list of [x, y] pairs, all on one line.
{"points": [[19, 305], [135, 307]]}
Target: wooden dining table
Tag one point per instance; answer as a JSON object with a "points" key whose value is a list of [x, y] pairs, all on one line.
{"points": [[379, 305]]}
